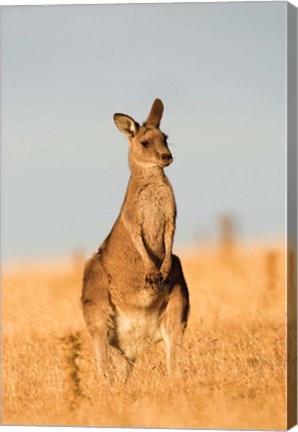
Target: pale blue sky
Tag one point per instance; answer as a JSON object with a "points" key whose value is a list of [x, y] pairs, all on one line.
{"points": [[220, 70]]}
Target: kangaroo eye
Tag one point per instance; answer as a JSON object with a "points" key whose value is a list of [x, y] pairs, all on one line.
{"points": [[145, 144]]}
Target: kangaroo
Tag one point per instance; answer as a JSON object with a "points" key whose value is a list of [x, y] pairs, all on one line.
{"points": [[134, 291]]}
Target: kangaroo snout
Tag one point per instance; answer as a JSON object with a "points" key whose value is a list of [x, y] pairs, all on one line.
{"points": [[167, 157]]}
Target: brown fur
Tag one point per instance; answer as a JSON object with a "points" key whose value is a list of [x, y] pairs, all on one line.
{"points": [[134, 291]]}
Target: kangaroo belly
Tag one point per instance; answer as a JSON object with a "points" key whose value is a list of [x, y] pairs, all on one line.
{"points": [[135, 331]]}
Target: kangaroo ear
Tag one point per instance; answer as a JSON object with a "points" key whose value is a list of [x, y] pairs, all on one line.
{"points": [[155, 113], [126, 124]]}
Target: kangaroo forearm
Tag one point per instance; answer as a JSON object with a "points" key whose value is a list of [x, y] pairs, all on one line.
{"points": [[135, 233], [139, 245], [168, 239]]}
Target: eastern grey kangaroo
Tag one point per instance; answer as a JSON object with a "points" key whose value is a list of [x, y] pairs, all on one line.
{"points": [[134, 291]]}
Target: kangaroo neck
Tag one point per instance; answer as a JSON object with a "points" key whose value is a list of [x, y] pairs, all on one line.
{"points": [[145, 173]]}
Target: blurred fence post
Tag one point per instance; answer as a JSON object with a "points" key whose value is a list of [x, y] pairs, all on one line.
{"points": [[227, 235], [272, 271]]}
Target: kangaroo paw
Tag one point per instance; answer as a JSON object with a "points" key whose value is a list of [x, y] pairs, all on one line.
{"points": [[153, 279]]}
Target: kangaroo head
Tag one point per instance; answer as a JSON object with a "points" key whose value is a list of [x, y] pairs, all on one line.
{"points": [[148, 144]]}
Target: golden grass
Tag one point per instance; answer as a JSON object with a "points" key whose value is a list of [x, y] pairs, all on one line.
{"points": [[234, 351]]}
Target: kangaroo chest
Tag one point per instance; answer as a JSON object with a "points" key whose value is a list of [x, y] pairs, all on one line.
{"points": [[155, 206]]}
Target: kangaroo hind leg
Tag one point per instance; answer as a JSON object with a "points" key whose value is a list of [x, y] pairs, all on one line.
{"points": [[174, 319], [97, 311]]}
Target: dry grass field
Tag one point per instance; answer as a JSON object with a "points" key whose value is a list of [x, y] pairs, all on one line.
{"points": [[233, 371]]}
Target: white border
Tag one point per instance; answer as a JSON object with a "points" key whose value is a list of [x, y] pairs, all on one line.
{"points": [[74, 2], [94, 2]]}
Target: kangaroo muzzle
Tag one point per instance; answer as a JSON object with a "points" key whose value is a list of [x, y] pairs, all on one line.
{"points": [[167, 158]]}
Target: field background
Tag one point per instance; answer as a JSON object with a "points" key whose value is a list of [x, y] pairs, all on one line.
{"points": [[234, 360]]}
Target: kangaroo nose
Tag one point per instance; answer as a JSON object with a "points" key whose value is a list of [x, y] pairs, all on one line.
{"points": [[166, 156]]}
